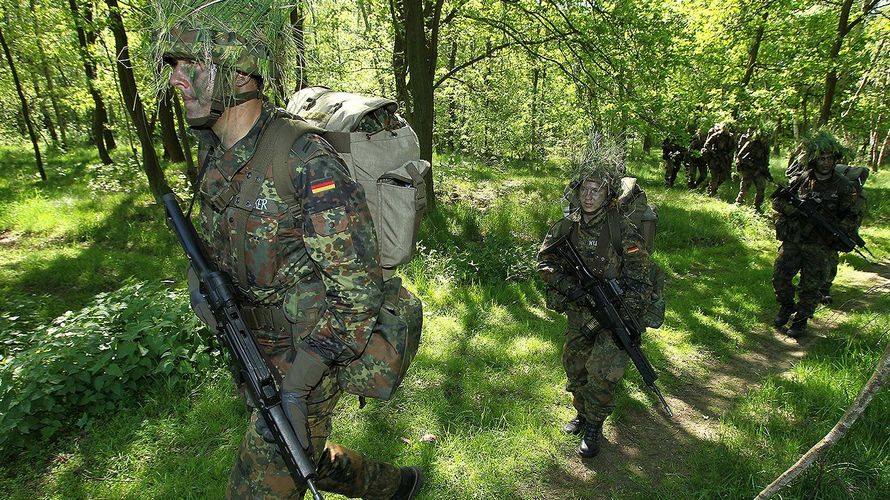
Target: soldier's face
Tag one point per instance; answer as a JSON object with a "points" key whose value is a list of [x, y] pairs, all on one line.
{"points": [[592, 194], [195, 84], [825, 163]]}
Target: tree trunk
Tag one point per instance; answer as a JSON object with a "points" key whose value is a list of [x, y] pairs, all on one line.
{"points": [[26, 114], [172, 148], [47, 75], [872, 387], [298, 21], [100, 114], [884, 147], [421, 56], [399, 61], [533, 114], [44, 112], [191, 172], [831, 77], [754, 49], [452, 128], [156, 181]]}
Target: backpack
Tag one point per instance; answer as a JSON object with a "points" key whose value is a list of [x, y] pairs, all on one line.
{"points": [[856, 175], [378, 371], [383, 155]]}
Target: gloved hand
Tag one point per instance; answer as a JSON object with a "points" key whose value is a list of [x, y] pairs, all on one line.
{"points": [[576, 294], [304, 374]]}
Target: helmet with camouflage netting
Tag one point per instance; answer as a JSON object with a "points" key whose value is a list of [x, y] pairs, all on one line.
{"points": [[818, 144], [602, 160], [250, 37]]}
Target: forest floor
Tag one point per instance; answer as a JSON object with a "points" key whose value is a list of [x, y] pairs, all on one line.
{"points": [[483, 404]]}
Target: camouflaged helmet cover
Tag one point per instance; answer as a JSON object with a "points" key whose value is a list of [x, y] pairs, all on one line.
{"points": [[247, 36], [818, 144], [602, 159]]}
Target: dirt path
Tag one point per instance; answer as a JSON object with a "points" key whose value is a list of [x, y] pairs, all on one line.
{"points": [[646, 440]]}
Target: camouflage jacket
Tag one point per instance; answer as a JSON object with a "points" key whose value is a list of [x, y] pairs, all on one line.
{"points": [[719, 143], [836, 200], [752, 156], [630, 266], [321, 266]]}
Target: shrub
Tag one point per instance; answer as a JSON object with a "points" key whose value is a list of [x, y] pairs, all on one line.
{"points": [[85, 363]]}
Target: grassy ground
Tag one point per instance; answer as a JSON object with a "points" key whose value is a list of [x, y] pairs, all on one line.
{"points": [[484, 400]]}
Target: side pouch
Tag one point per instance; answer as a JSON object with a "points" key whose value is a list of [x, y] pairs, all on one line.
{"points": [[653, 317], [379, 371], [402, 203]]}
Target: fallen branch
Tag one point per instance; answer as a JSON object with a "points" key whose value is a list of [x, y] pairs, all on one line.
{"points": [[872, 387]]}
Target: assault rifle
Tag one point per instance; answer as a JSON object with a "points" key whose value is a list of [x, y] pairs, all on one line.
{"points": [[810, 208], [604, 300], [247, 361]]}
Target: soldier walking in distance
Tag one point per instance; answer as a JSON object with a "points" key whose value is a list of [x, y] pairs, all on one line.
{"points": [[593, 362], [696, 168], [752, 163], [672, 153], [717, 153], [807, 249], [305, 265]]}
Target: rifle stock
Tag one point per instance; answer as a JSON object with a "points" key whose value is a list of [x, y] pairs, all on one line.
{"points": [[609, 309], [248, 363]]}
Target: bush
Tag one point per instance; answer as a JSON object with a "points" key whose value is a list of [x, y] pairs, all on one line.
{"points": [[85, 363]]}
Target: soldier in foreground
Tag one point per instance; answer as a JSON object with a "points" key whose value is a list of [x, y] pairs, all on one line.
{"points": [[806, 247], [593, 361], [717, 153], [752, 163], [305, 265]]}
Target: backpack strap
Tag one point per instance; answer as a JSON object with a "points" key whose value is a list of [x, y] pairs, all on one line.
{"points": [[286, 131]]}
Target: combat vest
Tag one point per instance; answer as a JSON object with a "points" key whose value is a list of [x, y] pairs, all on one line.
{"points": [[632, 204], [379, 369], [831, 193]]}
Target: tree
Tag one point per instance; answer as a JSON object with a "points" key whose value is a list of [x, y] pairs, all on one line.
{"points": [[26, 114]]}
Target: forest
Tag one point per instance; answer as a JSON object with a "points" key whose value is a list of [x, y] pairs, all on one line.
{"points": [[110, 387]]}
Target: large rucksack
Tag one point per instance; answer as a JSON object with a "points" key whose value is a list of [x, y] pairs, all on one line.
{"points": [[383, 155]]}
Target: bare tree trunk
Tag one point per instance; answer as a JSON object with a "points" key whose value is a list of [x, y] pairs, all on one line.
{"points": [[533, 113], [872, 387], [26, 114], [100, 114], [399, 61], [44, 112], [884, 147], [753, 49], [47, 75], [452, 127], [172, 148], [191, 172], [133, 102]]}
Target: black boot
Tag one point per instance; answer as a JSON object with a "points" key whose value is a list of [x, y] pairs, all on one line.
{"points": [[590, 442], [410, 483], [783, 315], [575, 425], [825, 300], [798, 326]]}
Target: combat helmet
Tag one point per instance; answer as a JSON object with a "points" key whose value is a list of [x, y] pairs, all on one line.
{"points": [[251, 37], [602, 159]]}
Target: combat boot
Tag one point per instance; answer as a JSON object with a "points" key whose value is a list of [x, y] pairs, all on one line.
{"points": [[798, 326], [575, 426], [826, 300], [590, 442], [783, 315], [409, 484]]}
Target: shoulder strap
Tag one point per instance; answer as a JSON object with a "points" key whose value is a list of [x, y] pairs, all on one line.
{"points": [[282, 134], [614, 224]]}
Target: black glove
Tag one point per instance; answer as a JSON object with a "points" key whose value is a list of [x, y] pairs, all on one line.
{"points": [[304, 374], [576, 294]]}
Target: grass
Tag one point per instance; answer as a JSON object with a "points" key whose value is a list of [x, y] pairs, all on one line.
{"points": [[481, 408]]}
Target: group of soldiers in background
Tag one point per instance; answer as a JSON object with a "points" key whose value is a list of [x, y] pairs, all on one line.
{"points": [[832, 191]]}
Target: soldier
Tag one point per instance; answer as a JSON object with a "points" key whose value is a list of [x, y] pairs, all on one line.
{"points": [[717, 153], [857, 177], [805, 248], [593, 362], [308, 274], [672, 154], [752, 162], [695, 164]]}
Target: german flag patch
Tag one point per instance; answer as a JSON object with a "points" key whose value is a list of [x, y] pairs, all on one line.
{"points": [[633, 249], [322, 186]]}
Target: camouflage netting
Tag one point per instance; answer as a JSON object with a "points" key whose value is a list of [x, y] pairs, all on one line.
{"points": [[819, 143], [603, 159], [251, 36]]}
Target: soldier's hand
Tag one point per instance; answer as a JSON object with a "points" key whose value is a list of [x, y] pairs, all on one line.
{"points": [[576, 294]]}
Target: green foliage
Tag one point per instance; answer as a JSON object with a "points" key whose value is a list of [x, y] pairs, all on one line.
{"points": [[86, 363]]}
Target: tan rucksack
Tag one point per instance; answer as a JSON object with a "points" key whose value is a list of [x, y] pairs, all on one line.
{"points": [[383, 155]]}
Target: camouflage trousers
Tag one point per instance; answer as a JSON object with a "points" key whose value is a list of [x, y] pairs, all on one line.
{"points": [[259, 471], [695, 166], [594, 365], [830, 273], [759, 182], [719, 167], [671, 169], [811, 261]]}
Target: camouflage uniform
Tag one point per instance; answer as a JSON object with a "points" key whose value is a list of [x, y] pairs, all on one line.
{"points": [[310, 279], [717, 152], [695, 164], [805, 248], [593, 362], [857, 210], [672, 154], [752, 163]]}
